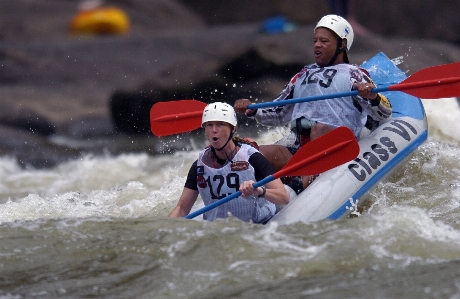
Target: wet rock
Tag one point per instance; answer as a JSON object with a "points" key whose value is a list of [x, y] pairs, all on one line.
{"points": [[27, 120], [53, 83], [90, 127]]}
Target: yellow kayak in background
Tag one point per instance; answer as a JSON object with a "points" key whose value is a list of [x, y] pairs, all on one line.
{"points": [[101, 20]]}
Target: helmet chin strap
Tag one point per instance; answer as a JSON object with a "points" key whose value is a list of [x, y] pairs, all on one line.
{"points": [[219, 149], [337, 52], [229, 138]]}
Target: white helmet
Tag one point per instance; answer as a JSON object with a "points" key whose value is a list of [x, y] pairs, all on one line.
{"points": [[338, 25], [219, 112]]}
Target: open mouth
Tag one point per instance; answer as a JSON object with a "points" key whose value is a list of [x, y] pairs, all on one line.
{"points": [[215, 138]]}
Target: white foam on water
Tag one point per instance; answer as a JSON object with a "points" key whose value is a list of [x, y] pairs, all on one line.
{"points": [[443, 117], [129, 185], [404, 235]]}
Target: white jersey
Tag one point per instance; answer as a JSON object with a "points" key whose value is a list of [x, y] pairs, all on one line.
{"points": [[217, 183], [314, 80]]}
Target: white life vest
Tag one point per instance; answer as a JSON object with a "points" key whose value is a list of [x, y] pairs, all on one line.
{"points": [[329, 80], [217, 183]]}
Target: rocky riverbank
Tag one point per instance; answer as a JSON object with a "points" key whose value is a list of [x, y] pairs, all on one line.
{"points": [[53, 84]]}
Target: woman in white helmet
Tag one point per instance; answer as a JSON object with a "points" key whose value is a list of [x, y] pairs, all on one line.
{"points": [[331, 73], [226, 166]]}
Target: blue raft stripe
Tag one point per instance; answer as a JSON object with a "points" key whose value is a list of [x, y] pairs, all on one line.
{"points": [[379, 175], [405, 105], [384, 72]]}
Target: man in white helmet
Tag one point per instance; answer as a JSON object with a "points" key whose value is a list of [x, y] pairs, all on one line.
{"points": [[331, 73], [226, 166]]}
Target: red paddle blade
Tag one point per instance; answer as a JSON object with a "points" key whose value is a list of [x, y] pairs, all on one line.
{"points": [[168, 118], [434, 82], [330, 150]]}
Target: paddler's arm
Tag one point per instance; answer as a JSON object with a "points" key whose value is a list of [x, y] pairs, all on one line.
{"points": [[188, 196], [185, 203], [364, 90], [270, 116], [375, 104], [241, 106], [274, 191]]}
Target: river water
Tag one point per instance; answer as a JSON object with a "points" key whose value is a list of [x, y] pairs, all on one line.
{"points": [[96, 226]]}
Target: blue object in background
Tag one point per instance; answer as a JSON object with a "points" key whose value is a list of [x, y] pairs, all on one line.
{"points": [[277, 24]]}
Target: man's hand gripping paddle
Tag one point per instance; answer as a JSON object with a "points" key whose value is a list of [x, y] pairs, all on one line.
{"points": [[168, 118], [326, 152]]}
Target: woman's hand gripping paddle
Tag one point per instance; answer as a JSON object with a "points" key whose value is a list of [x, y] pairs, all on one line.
{"points": [[328, 151], [443, 81]]}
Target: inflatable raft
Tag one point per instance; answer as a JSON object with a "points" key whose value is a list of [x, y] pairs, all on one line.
{"points": [[335, 193]]}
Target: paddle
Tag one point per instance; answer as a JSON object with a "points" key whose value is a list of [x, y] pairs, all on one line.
{"points": [[167, 118], [326, 152]]}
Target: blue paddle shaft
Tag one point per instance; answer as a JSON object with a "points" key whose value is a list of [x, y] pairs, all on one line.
{"points": [[313, 98], [228, 198]]}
